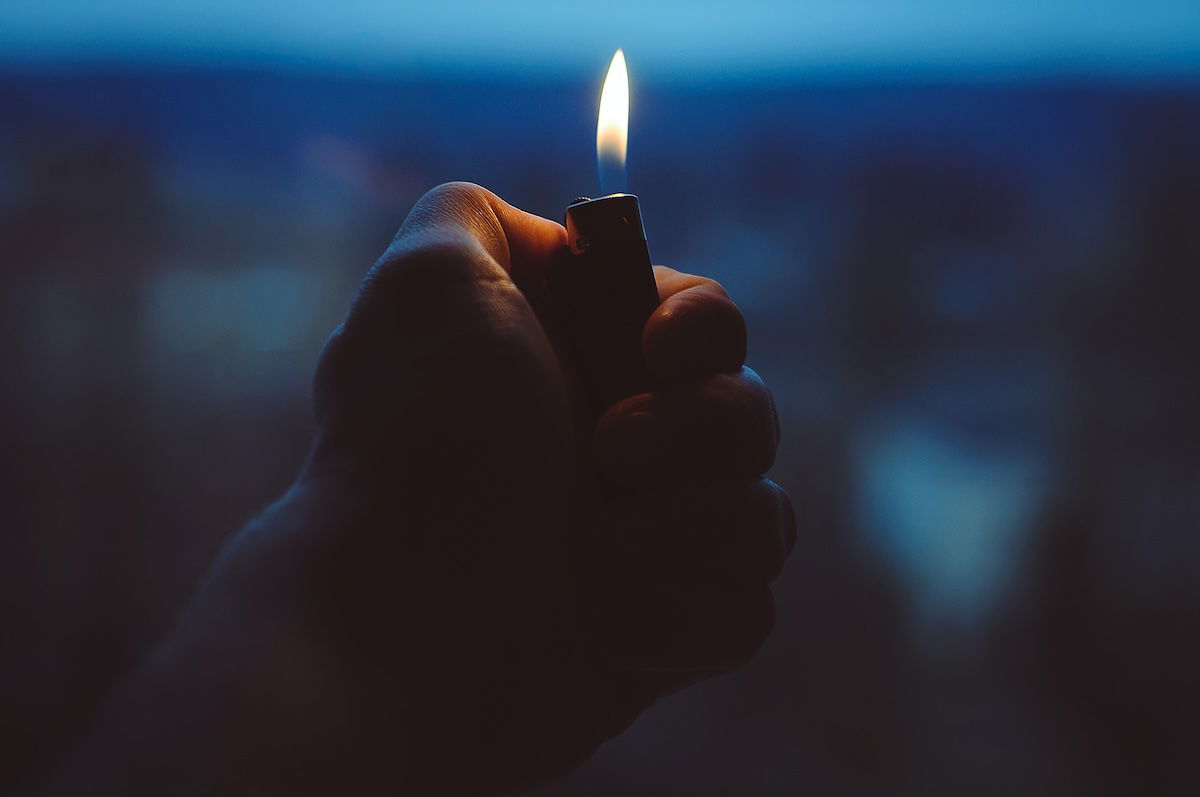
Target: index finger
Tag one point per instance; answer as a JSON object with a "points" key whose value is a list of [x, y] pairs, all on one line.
{"points": [[696, 330]]}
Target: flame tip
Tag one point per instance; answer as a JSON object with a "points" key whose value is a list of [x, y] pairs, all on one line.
{"points": [[612, 124]]}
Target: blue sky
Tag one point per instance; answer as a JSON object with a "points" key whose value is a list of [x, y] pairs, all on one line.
{"points": [[676, 38]]}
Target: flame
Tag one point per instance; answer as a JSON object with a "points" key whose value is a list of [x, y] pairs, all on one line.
{"points": [[612, 125]]}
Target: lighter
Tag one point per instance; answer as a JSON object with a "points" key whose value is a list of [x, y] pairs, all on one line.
{"points": [[603, 285]]}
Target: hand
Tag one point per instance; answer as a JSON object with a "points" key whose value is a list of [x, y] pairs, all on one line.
{"points": [[464, 593]]}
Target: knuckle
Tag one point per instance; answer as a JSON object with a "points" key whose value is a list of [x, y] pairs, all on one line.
{"points": [[707, 285], [787, 519], [750, 377], [743, 541], [680, 281], [765, 400], [713, 286], [463, 212], [419, 262], [724, 424], [713, 305], [740, 407], [458, 193], [433, 256], [778, 534]]}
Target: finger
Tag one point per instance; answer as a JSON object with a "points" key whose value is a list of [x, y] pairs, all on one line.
{"points": [[453, 269], [459, 243], [677, 580], [723, 425], [732, 532], [671, 281], [440, 306], [696, 329], [683, 628], [521, 243], [710, 531]]}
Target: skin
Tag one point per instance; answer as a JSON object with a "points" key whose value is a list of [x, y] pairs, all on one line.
{"points": [[467, 590]]}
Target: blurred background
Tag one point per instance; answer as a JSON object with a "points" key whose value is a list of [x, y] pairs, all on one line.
{"points": [[966, 237]]}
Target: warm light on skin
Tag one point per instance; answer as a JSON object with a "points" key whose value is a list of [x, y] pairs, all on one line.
{"points": [[612, 125]]}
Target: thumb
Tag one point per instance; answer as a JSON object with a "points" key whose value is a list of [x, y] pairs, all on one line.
{"points": [[441, 320], [521, 243], [457, 264]]}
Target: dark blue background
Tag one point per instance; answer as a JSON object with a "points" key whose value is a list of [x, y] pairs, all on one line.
{"points": [[974, 295]]}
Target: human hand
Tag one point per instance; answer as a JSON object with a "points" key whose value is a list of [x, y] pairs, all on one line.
{"points": [[466, 591]]}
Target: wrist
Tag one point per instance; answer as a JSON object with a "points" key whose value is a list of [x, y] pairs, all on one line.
{"points": [[252, 693]]}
